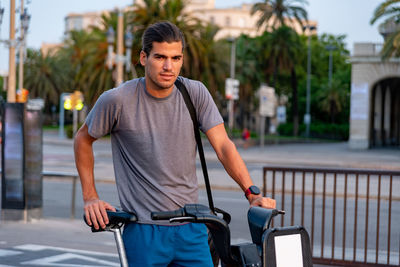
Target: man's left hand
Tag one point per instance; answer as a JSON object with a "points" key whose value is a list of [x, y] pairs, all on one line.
{"points": [[264, 202]]}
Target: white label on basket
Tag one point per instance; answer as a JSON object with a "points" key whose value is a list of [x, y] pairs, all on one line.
{"points": [[288, 251]]}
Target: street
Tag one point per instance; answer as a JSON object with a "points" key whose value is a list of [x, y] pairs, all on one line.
{"points": [[76, 244]]}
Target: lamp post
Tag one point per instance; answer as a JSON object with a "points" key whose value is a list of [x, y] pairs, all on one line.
{"points": [[330, 48], [11, 56], [128, 44], [110, 41], [120, 47], [307, 116], [1, 16], [232, 76], [24, 20], [13, 43], [119, 58]]}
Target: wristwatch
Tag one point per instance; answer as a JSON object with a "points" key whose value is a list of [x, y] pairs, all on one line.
{"points": [[252, 190]]}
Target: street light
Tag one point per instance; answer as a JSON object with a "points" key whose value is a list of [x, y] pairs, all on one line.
{"points": [[232, 76], [24, 20], [330, 48], [1, 14], [128, 45], [13, 43], [307, 116], [110, 41], [119, 58]]}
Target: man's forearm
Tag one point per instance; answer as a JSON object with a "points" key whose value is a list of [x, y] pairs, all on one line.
{"points": [[84, 160], [234, 165]]}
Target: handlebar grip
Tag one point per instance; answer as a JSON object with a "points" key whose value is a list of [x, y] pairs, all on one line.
{"points": [[166, 215]]}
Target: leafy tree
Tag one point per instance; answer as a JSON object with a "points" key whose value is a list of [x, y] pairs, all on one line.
{"points": [[332, 98], [276, 13], [200, 53], [46, 76], [283, 44], [283, 47], [87, 52], [319, 76], [389, 12], [248, 73]]}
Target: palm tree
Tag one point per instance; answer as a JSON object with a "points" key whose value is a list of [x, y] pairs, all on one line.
{"points": [[332, 99], [87, 52], [248, 73], [47, 76], [389, 11], [199, 62], [275, 13], [283, 44], [283, 47]]}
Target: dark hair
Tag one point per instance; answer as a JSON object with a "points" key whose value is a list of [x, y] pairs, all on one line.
{"points": [[163, 31]]}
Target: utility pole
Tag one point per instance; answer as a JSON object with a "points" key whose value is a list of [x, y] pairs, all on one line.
{"points": [[21, 51], [120, 58], [307, 116], [11, 57]]}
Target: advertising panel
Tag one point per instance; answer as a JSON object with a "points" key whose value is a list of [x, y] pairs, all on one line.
{"points": [[13, 156]]}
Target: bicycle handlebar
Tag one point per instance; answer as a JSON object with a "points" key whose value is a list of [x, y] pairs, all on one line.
{"points": [[116, 220], [167, 215], [190, 212]]}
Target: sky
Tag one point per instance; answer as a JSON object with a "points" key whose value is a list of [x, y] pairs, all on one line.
{"points": [[349, 17]]}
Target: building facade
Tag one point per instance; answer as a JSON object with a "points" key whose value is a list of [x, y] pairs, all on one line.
{"points": [[232, 21], [375, 99]]}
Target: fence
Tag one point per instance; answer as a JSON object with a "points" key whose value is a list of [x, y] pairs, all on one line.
{"points": [[74, 178], [355, 213]]}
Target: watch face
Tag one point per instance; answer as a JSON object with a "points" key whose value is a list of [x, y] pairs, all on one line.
{"points": [[254, 190]]}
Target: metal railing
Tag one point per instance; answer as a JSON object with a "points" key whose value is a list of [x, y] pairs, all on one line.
{"points": [[74, 178], [352, 215]]}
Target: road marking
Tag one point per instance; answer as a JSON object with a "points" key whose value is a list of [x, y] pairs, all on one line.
{"points": [[52, 261], [33, 247], [6, 252]]}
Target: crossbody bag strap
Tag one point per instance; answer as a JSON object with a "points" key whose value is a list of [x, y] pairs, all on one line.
{"points": [[182, 88]]}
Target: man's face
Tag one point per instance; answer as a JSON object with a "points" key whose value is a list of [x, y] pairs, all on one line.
{"points": [[162, 65]]}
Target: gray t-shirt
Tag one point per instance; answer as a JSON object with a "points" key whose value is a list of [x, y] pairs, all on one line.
{"points": [[153, 144]]}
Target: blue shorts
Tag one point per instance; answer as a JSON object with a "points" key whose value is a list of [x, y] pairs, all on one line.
{"points": [[159, 245]]}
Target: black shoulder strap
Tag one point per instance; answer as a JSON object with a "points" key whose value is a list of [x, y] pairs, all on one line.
{"points": [[182, 88]]}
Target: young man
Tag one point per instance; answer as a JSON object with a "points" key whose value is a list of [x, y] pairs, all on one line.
{"points": [[154, 154]]}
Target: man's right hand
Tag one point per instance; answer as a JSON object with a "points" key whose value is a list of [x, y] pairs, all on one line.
{"points": [[95, 212]]}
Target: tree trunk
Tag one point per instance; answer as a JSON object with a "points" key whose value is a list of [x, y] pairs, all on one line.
{"points": [[295, 109]]}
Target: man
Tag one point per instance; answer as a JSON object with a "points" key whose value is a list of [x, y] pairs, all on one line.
{"points": [[154, 154]]}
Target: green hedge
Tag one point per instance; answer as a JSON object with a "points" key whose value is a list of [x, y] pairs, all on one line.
{"points": [[318, 130]]}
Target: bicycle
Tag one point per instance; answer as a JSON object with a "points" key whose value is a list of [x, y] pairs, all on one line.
{"points": [[268, 247]]}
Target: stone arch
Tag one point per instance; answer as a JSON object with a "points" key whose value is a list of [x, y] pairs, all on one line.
{"points": [[385, 113], [375, 93]]}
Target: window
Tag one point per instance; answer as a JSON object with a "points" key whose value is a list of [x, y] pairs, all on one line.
{"points": [[227, 21], [212, 20]]}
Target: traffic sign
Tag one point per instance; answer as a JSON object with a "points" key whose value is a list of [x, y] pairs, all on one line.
{"points": [[232, 89], [267, 101]]}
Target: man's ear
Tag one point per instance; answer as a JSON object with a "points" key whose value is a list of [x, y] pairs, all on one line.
{"points": [[143, 57]]}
